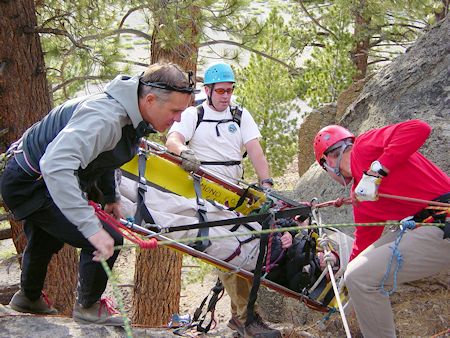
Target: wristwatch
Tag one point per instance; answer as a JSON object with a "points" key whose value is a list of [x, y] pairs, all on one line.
{"points": [[267, 181], [376, 167]]}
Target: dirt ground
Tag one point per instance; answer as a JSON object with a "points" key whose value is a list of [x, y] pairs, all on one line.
{"points": [[422, 309]]}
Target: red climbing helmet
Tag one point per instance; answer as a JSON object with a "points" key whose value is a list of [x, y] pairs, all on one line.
{"points": [[329, 136]]}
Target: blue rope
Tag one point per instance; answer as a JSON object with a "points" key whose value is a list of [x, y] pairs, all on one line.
{"points": [[410, 224]]}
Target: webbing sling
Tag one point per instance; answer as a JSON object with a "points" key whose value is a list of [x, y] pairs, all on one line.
{"points": [[286, 213], [266, 224], [142, 213], [216, 294], [202, 217]]}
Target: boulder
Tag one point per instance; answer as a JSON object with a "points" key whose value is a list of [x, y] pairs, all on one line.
{"points": [[416, 85], [314, 121]]}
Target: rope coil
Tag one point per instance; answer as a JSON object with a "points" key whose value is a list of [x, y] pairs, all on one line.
{"points": [[404, 226]]}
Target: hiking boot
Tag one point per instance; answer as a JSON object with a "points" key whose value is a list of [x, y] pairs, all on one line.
{"points": [[259, 329], [236, 325], [101, 312], [19, 302]]}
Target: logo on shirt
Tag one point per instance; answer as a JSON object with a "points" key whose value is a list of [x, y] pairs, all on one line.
{"points": [[232, 128]]}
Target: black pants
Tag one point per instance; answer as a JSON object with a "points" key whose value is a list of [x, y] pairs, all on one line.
{"points": [[47, 229]]}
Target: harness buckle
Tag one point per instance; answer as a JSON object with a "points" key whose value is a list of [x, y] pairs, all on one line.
{"points": [[142, 183]]}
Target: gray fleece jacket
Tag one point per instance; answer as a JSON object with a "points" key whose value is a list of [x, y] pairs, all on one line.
{"points": [[87, 142]]}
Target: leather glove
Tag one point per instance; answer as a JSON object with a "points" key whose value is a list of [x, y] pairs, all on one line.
{"points": [[367, 188], [189, 161]]}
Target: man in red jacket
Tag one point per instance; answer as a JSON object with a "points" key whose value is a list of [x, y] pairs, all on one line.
{"points": [[386, 160]]}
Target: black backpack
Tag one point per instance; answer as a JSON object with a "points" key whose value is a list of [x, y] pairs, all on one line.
{"points": [[236, 113]]}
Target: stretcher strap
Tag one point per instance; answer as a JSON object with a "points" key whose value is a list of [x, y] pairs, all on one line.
{"points": [[258, 271], [142, 213], [286, 213], [202, 217]]}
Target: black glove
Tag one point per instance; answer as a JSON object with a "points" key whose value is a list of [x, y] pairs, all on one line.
{"points": [[189, 161]]}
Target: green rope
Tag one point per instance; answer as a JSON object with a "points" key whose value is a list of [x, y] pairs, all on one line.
{"points": [[118, 298], [258, 232]]}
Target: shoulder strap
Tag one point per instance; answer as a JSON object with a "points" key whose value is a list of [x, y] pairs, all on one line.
{"points": [[200, 114], [236, 112]]}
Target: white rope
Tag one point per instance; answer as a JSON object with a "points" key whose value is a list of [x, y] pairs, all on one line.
{"points": [[324, 241]]}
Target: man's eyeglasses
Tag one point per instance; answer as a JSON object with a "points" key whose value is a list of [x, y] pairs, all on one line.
{"points": [[222, 91]]}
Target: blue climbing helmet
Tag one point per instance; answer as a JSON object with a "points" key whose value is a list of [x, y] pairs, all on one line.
{"points": [[219, 72]]}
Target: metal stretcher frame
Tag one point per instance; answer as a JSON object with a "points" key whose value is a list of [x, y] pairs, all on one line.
{"points": [[163, 170]]}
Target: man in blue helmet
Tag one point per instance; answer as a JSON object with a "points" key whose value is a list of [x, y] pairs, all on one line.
{"points": [[218, 134]]}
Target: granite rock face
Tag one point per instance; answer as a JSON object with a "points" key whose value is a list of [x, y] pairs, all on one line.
{"points": [[416, 85]]}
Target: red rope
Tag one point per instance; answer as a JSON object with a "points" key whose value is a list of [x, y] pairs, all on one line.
{"points": [[269, 252], [109, 305], [348, 200], [336, 203], [46, 299], [152, 243], [417, 200]]}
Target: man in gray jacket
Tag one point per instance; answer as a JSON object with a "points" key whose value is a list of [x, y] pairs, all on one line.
{"points": [[70, 156]]}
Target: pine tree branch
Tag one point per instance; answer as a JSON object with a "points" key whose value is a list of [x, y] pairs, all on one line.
{"points": [[315, 20], [378, 60], [80, 42], [54, 31], [292, 70], [55, 17], [131, 11], [412, 27], [80, 78], [136, 63], [114, 32]]}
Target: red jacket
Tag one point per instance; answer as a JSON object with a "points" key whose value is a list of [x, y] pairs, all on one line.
{"points": [[410, 174]]}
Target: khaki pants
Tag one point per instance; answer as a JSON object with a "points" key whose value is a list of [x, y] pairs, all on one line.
{"points": [[238, 288], [424, 253]]}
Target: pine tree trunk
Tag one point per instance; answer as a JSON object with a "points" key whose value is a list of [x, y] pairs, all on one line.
{"points": [[158, 272], [24, 99], [157, 281], [360, 53]]}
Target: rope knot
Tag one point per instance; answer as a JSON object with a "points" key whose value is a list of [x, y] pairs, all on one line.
{"points": [[409, 224], [339, 202], [323, 241], [150, 244], [109, 305]]}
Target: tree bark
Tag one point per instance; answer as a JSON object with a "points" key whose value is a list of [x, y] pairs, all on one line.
{"points": [[360, 53], [157, 281], [24, 99], [158, 272]]}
